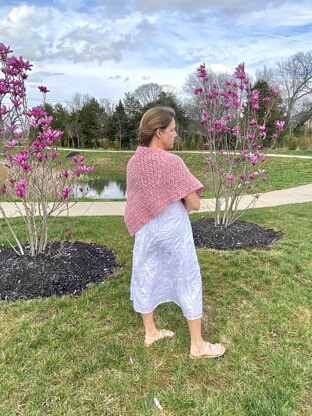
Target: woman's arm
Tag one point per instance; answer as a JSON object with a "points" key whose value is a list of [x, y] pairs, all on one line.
{"points": [[191, 202]]}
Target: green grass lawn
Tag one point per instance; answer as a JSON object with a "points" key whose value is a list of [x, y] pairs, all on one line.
{"points": [[71, 355], [298, 152]]}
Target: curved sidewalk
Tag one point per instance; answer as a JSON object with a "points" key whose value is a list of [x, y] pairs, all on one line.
{"points": [[296, 195]]}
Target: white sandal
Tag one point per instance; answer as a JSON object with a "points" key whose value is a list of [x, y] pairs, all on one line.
{"points": [[162, 333], [210, 351]]}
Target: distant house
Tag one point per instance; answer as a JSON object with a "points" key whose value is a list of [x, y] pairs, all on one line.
{"points": [[301, 121]]}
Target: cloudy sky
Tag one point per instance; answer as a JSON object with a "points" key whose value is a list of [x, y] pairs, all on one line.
{"points": [[106, 48]]}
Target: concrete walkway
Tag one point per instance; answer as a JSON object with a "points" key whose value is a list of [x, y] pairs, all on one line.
{"points": [[93, 208]]}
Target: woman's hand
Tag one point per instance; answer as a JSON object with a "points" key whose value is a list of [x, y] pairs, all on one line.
{"points": [[191, 202]]}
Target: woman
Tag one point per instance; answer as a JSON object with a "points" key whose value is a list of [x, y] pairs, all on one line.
{"points": [[160, 192]]}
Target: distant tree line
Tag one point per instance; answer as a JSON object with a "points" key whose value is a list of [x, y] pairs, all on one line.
{"points": [[89, 123]]}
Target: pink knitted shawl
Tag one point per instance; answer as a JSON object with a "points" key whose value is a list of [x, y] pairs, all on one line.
{"points": [[155, 179]]}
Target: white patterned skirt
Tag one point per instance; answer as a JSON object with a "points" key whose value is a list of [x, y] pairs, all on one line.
{"points": [[165, 265]]}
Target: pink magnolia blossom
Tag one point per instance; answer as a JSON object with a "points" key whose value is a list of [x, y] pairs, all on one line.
{"points": [[235, 131], [36, 112], [37, 145], [65, 193], [254, 98], [53, 155], [20, 158], [12, 127], [274, 91], [205, 117], [77, 171], [4, 50], [39, 156], [198, 91], [45, 119], [78, 159], [16, 103], [279, 125], [34, 123], [18, 135], [87, 169], [201, 71], [11, 144], [43, 89], [25, 166], [20, 187], [240, 74], [3, 110], [51, 135]]}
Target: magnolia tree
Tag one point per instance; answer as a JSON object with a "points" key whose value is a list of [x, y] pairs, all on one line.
{"points": [[36, 179], [235, 139]]}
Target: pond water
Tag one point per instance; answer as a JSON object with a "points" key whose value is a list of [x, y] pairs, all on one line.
{"points": [[102, 188]]}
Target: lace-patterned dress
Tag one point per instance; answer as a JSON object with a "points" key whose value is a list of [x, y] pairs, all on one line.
{"points": [[165, 265]]}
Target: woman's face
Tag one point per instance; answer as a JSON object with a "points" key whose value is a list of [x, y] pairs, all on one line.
{"points": [[167, 136]]}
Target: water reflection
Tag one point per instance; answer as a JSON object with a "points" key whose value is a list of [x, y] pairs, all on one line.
{"points": [[102, 188]]}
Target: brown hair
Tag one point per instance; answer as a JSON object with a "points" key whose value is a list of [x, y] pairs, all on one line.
{"points": [[153, 119]]}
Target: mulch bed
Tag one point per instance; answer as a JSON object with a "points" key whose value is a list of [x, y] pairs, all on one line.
{"points": [[67, 268], [71, 267], [238, 235]]}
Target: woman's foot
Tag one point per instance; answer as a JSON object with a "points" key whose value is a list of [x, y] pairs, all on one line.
{"points": [[208, 351], [162, 333]]}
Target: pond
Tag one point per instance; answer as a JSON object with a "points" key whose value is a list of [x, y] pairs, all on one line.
{"points": [[102, 188]]}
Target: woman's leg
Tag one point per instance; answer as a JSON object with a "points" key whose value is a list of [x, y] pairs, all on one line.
{"points": [[149, 324], [200, 348], [152, 334], [197, 342]]}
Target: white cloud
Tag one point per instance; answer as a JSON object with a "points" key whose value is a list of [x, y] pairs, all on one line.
{"points": [[106, 48]]}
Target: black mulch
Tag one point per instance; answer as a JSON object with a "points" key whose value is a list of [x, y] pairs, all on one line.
{"points": [[238, 235], [67, 268]]}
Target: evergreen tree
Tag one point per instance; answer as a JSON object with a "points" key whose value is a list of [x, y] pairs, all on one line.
{"points": [[133, 110], [92, 123], [118, 127]]}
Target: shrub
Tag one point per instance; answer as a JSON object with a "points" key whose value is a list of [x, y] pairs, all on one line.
{"points": [[304, 141], [291, 141]]}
